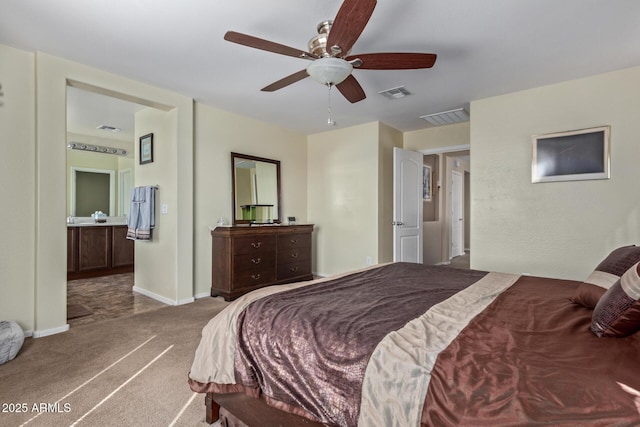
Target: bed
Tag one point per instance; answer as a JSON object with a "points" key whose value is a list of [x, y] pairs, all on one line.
{"points": [[408, 345]]}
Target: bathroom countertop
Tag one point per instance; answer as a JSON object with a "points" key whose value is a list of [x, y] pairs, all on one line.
{"points": [[89, 222], [95, 224]]}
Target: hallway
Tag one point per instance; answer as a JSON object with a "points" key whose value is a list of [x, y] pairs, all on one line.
{"points": [[461, 261]]}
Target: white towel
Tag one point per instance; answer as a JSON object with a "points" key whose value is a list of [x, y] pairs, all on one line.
{"points": [[142, 213]]}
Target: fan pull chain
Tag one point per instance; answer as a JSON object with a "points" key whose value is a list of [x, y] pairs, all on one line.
{"points": [[330, 121]]}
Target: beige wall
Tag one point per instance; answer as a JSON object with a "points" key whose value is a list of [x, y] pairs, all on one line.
{"points": [[343, 181], [436, 138], [154, 278], [559, 229], [18, 175], [218, 133], [38, 298]]}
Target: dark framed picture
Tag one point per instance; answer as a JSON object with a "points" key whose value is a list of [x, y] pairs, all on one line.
{"points": [[571, 156], [146, 149]]}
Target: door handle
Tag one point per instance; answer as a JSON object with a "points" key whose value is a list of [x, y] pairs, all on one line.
{"points": [[398, 223]]}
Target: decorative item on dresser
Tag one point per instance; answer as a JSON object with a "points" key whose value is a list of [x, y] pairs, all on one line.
{"points": [[247, 258]]}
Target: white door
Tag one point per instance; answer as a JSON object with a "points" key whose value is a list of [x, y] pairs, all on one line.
{"points": [[457, 206], [407, 205]]}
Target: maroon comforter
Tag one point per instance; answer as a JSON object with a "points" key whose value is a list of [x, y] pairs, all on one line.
{"points": [[530, 359], [321, 337]]}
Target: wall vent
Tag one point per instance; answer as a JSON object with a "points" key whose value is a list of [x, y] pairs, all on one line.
{"points": [[395, 93], [447, 117]]}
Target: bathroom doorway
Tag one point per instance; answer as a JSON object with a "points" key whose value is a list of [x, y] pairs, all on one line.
{"points": [[100, 174]]}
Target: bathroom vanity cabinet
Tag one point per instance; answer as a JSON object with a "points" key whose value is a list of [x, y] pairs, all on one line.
{"points": [[98, 250]]}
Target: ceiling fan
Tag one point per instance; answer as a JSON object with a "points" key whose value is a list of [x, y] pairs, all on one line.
{"points": [[329, 51]]}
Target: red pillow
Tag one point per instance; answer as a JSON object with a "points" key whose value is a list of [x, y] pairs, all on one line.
{"points": [[617, 314]]}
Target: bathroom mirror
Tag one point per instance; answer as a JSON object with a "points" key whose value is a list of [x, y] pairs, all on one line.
{"points": [[97, 181], [256, 189]]}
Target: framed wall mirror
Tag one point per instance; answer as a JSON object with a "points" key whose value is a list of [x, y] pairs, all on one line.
{"points": [[255, 190]]}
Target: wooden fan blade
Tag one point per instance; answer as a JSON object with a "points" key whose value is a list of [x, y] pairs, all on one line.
{"points": [[394, 61], [262, 44], [351, 89], [349, 24], [295, 77]]}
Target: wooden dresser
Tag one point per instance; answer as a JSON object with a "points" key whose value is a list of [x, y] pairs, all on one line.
{"points": [[252, 257]]}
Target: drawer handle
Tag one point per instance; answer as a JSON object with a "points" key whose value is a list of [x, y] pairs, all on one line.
{"points": [[293, 269], [255, 276], [294, 241], [256, 244], [294, 255], [256, 260]]}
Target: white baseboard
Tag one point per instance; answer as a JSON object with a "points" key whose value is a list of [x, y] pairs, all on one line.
{"points": [[203, 295], [155, 296], [186, 301], [52, 331]]}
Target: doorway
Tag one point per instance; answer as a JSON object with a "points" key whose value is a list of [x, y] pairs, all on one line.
{"points": [[100, 173], [439, 225], [457, 214]]}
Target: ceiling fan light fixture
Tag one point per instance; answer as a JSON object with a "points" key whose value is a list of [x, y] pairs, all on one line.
{"points": [[329, 71]]}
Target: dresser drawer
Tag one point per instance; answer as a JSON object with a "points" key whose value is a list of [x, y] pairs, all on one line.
{"points": [[299, 240], [249, 278], [254, 244], [250, 261], [293, 254], [294, 269]]}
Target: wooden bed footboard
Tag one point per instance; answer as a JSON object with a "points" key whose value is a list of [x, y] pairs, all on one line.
{"points": [[251, 411], [213, 409]]}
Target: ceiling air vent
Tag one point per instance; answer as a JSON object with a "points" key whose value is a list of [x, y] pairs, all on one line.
{"points": [[109, 128], [395, 93], [447, 117]]}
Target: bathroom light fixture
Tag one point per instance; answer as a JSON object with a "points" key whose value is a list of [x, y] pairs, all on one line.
{"points": [[97, 148]]}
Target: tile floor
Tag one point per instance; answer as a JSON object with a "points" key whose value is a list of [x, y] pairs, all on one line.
{"points": [[106, 297]]}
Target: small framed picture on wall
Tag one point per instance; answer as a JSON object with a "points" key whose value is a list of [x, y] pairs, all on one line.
{"points": [[426, 183], [146, 149]]}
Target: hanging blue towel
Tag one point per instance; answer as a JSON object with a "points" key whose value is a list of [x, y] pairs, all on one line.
{"points": [[142, 213]]}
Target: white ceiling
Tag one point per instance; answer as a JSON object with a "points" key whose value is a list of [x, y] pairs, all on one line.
{"points": [[484, 48]]}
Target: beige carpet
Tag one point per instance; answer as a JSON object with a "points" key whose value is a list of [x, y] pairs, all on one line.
{"points": [[130, 371]]}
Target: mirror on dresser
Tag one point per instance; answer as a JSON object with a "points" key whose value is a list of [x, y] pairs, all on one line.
{"points": [[256, 190]]}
